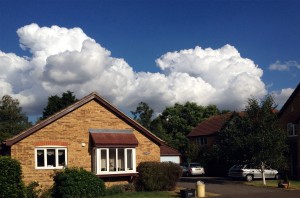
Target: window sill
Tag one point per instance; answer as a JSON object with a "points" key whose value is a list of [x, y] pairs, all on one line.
{"points": [[292, 136], [134, 174], [49, 168]]}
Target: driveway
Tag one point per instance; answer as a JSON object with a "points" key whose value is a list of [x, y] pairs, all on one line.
{"points": [[223, 187]]}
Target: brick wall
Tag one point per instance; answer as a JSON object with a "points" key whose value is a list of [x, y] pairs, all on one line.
{"points": [[291, 113], [71, 131]]}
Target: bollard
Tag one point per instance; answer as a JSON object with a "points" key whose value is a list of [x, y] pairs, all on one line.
{"points": [[200, 188]]}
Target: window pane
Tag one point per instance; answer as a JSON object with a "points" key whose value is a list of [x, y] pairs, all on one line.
{"points": [[103, 162], [121, 160], [40, 158], [112, 159], [61, 157], [51, 157], [129, 159]]}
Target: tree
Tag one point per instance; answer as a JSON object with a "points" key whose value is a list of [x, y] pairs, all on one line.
{"points": [[177, 121], [254, 136], [143, 114], [12, 119], [56, 103]]}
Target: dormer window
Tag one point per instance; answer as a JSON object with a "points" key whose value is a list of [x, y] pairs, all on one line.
{"points": [[292, 129]]}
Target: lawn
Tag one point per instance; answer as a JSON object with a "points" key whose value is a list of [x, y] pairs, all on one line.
{"points": [[274, 183], [160, 194]]}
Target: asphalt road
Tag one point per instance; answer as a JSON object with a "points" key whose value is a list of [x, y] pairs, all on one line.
{"points": [[223, 187]]}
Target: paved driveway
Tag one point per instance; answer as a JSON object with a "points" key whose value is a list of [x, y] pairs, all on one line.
{"points": [[224, 187]]}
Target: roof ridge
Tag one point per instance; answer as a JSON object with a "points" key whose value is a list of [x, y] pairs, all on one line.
{"points": [[79, 103]]}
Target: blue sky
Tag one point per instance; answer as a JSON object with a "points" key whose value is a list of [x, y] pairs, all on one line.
{"points": [[141, 32]]}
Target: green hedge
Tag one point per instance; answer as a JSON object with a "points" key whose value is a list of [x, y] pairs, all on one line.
{"points": [[74, 182], [157, 176], [11, 184], [119, 189]]}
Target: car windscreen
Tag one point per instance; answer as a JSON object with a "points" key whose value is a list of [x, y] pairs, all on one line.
{"points": [[195, 165]]}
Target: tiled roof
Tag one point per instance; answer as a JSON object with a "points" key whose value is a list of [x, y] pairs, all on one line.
{"points": [[114, 139], [294, 95], [83, 101], [210, 126], [166, 150]]}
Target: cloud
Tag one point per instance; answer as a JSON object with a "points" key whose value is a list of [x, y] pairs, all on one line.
{"points": [[228, 78], [284, 66], [67, 59], [280, 97]]}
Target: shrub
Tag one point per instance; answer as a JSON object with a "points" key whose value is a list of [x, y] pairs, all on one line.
{"points": [[74, 182], [32, 191], [115, 189], [46, 193], [119, 189], [157, 176], [11, 184], [129, 187]]}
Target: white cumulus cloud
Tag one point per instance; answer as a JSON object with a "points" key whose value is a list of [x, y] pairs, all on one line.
{"points": [[67, 59]]}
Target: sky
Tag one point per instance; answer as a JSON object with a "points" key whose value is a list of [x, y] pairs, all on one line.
{"points": [[218, 52]]}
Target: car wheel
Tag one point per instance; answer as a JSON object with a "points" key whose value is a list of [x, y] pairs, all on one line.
{"points": [[277, 176], [249, 177]]}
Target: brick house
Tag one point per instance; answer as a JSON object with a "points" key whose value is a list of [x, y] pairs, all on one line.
{"points": [[289, 119], [92, 134], [206, 132]]}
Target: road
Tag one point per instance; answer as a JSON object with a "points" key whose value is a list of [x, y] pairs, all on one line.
{"points": [[223, 187]]}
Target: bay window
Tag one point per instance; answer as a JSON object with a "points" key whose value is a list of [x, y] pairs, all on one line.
{"points": [[114, 160]]}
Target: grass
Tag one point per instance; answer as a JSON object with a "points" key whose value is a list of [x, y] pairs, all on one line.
{"points": [[158, 194], [274, 183]]}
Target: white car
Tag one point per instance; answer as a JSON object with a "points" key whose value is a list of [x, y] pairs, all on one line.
{"points": [[189, 169], [250, 172]]}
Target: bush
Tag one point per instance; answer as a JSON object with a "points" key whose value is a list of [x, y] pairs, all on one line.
{"points": [[11, 184], [115, 189], [32, 191], [119, 189], [157, 176], [74, 182]]}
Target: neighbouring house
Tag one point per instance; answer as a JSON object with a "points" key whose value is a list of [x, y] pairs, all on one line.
{"points": [[206, 132], [289, 119], [168, 154], [92, 134]]}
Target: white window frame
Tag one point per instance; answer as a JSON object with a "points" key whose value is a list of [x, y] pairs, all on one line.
{"points": [[292, 130], [45, 148], [98, 167]]}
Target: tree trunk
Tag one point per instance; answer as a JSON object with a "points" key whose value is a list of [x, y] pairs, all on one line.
{"points": [[262, 168]]}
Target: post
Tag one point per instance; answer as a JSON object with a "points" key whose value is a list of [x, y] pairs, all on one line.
{"points": [[200, 188]]}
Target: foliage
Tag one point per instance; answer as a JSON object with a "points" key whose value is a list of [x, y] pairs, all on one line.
{"points": [[143, 114], [254, 136], [119, 189], [176, 122], [46, 192], [73, 182], [32, 191], [115, 189], [12, 119], [157, 176], [10, 178], [56, 103]]}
